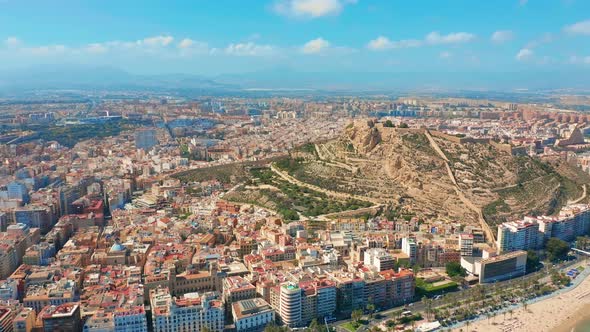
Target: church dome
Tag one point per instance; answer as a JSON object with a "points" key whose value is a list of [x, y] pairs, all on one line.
{"points": [[117, 246]]}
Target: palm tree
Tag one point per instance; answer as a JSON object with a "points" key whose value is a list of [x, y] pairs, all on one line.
{"points": [[428, 304], [313, 326], [356, 315], [371, 309], [480, 292]]}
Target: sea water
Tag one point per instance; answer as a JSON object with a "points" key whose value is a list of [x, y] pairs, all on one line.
{"points": [[584, 326]]}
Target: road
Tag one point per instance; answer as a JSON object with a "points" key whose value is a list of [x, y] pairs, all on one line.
{"points": [[419, 307]]}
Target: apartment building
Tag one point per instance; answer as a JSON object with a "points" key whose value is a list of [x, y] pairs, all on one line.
{"points": [[252, 315], [61, 318], [290, 305], [519, 235], [466, 244], [378, 259], [190, 312], [410, 248]]}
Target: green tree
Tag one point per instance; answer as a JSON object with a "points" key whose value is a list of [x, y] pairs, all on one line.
{"points": [[583, 242], [403, 125], [455, 269], [416, 269], [428, 306], [557, 249], [356, 315], [532, 261], [388, 124], [314, 326], [272, 327], [371, 309]]}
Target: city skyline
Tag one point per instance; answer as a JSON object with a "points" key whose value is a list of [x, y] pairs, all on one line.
{"points": [[294, 165], [335, 37]]}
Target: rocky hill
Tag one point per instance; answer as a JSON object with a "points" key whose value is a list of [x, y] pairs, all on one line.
{"points": [[435, 176]]}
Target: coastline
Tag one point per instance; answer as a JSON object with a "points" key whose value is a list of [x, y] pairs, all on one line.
{"points": [[560, 312], [579, 316]]}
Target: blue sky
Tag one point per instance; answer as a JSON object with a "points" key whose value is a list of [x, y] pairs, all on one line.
{"points": [[215, 37]]}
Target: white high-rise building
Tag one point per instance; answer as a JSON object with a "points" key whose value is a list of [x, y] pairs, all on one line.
{"points": [[290, 304], [410, 248], [379, 259], [519, 235]]}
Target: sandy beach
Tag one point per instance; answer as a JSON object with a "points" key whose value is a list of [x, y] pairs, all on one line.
{"points": [[560, 313], [578, 317]]}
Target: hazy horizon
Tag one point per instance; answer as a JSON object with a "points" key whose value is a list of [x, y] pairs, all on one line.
{"points": [[348, 43]]}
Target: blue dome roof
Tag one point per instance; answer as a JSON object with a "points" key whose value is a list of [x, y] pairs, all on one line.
{"points": [[118, 247]]}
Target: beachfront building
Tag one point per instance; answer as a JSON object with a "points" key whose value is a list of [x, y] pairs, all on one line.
{"points": [[502, 267], [519, 235], [532, 232]]}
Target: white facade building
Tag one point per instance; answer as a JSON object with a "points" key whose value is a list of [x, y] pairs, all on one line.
{"points": [[192, 312], [379, 259], [410, 248], [252, 315], [290, 304]]}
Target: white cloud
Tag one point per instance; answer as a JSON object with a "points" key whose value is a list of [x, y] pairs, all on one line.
{"points": [[157, 41], [502, 36], [434, 38], [384, 43], [380, 43], [149, 44], [452, 38], [524, 54], [96, 48], [156, 45], [445, 55], [546, 38], [12, 42], [188, 47], [407, 43], [584, 60], [579, 28], [248, 49], [186, 43], [46, 50], [315, 46], [310, 8]]}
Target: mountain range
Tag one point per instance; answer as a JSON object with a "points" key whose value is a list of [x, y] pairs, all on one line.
{"points": [[81, 77]]}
